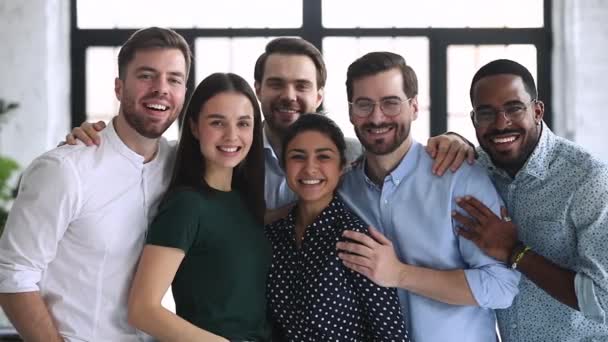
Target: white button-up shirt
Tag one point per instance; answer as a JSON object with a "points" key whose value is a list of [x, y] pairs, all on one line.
{"points": [[76, 230]]}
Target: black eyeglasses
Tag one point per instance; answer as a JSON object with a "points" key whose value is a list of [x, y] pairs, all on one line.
{"points": [[390, 106], [486, 116]]}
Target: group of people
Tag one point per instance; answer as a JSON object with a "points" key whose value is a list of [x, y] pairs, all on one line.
{"points": [[282, 229]]}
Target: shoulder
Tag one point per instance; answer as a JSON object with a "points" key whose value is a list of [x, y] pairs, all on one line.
{"points": [[353, 149], [576, 157], [347, 219], [183, 198]]}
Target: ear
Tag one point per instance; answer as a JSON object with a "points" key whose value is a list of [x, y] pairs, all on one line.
{"points": [[414, 105], [320, 97], [539, 111], [193, 128], [118, 86], [258, 88]]}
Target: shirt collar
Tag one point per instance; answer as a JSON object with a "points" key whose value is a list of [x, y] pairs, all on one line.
{"points": [[537, 164], [406, 166], [322, 224]]}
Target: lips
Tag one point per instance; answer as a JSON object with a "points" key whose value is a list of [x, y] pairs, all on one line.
{"points": [[229, 149], [373, 130], [503, 141], [310, 181]]}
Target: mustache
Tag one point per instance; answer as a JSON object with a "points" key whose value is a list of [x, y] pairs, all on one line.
{"points": [[155, 96], [375, 126]]}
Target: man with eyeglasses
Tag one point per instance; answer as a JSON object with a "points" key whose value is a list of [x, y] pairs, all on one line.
{"points": [[557, 198], [447, 286]]}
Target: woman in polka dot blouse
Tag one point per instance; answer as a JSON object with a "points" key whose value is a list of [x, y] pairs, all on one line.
{"points": [[312, 296]]}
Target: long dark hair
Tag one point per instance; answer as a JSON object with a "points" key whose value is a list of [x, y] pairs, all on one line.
{"points": [[190, 166]]}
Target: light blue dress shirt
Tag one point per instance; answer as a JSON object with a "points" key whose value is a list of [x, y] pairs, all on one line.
{"points": [[413, 209], [559, 202], [276, 191]]}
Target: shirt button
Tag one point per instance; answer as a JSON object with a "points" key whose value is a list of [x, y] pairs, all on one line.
{"points": [[396, 181], [513, 326], [385, 201]]}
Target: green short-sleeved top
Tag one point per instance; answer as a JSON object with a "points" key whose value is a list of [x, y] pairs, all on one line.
{"points": [[220, 284]]}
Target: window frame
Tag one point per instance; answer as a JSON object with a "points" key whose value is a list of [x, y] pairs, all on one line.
{"points": [[313, 31]]}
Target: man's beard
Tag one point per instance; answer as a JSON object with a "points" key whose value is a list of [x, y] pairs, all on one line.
{"points": [[379, 146], [143, 125]]}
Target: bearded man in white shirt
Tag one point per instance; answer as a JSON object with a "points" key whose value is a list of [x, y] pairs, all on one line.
{"points": [[76, 229]]}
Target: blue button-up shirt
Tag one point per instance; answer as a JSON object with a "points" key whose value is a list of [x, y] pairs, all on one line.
{"points": [[413, 209], [559, 202], [276, 191]]}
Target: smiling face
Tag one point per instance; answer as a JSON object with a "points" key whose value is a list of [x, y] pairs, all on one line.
{"points": [[224, 130], [153, 90], [288, 89], [313, 167], [508, 142], [378, 133]]}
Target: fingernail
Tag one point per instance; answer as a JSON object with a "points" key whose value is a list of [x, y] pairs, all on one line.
{"points": [[458, 199]]}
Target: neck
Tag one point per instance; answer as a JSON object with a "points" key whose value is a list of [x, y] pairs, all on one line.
{"points": [[306, 213], [219, 178], [139, 144], [275, 140], [379, 166]]}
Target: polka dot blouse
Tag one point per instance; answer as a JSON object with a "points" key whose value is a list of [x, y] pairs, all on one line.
{"points": [[312, 296]]}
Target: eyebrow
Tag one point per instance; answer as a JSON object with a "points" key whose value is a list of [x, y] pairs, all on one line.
{"points": [[150, 69], [508, 103], [222, 116], [318, 150]]}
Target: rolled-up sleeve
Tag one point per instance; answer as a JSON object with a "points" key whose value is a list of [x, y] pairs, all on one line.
{"points": [[46, 203], [589, 214], [492, 283]]}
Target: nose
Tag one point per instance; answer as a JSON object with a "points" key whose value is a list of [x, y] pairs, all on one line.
{"points": [[161, 86], [289, 93], [231, 132], [377, 115], [311, 165], [501, 120]]}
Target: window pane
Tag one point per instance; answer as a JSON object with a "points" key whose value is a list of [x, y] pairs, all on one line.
{"points": [[433, 13], [340, 52], [101, 70], [189, 14], [236, 55], [463, 63]]}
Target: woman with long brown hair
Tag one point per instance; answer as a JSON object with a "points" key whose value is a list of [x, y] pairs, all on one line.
{"points": [[207, 240]]}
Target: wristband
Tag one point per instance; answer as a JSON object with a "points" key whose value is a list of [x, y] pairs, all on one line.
{"points": [[519, 256]]}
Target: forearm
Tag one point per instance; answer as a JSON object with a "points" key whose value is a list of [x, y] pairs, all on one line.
{"points": [[167, 326], [450, 287], [29, 315], [556, 281]]}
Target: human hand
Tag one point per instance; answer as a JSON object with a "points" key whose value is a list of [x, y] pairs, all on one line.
{"points": [[449, 151], [372, 256], [495, 236], [87, 133]]}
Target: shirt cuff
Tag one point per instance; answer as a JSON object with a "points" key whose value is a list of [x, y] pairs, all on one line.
{"points": [[587, 300], [17, 280]]}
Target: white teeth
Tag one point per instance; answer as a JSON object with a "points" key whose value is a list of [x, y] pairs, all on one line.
{"points": [[504, 140], [379, 130], [287, 110], [310, 181], [156, 106], [228, 149]]}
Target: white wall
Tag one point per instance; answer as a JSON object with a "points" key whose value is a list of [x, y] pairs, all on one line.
{"points": [[34, 71], [580, 72]]}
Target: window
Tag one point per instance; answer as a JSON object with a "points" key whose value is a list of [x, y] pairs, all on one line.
{"points": [[445, 42]]}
